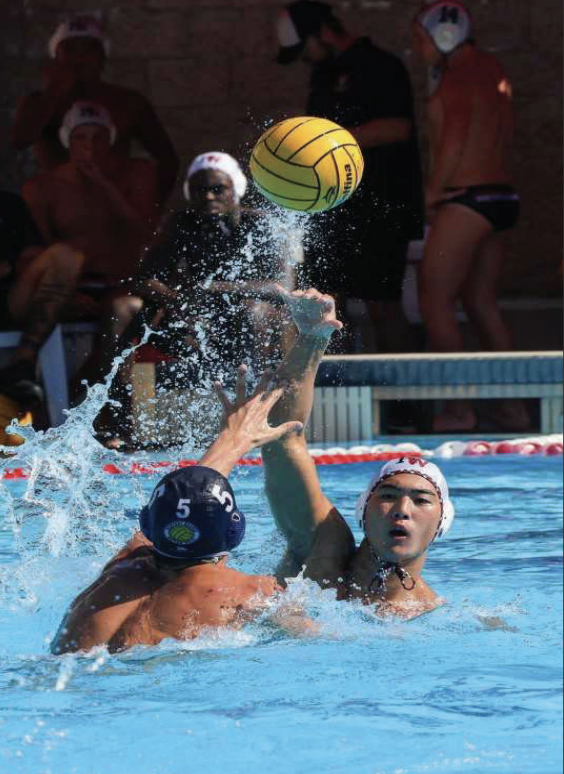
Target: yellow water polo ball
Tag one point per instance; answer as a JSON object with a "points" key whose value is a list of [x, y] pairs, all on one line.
{"points": [[307, 164]]}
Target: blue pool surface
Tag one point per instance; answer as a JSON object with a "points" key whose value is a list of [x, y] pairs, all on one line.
{"points": [[474, 687]]}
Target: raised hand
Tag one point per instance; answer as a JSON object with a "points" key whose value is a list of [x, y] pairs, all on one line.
{"points": [[313, 312], [245, 420], [92, 171]]}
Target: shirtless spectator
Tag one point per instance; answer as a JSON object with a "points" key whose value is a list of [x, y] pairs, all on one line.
{"points": [[78, 52], [470, 199], [102, 206]]}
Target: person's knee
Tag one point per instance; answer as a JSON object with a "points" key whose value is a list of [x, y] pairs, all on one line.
{"points": [[124, 308], [478, 304], [66, 260]]}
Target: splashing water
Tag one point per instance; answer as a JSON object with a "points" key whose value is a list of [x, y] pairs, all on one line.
{"points": [[472, 688]]}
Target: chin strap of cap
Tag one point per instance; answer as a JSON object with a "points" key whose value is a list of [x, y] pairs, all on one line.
{"points": [[385, 569]]}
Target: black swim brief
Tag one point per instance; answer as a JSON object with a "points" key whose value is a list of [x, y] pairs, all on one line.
{"points": [[500, 205]]}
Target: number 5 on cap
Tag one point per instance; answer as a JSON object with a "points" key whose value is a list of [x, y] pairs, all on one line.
{"points": [[183, 511], [223, 498]]}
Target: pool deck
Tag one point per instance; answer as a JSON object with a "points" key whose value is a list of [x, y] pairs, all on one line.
{"points": [[351, 389]]}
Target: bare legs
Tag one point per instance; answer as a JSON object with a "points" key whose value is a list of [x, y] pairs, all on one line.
{"points": [[36, 302], [40, 295], [463, 261]]}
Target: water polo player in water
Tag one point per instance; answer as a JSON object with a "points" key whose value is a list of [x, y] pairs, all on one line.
{"points": [[172, 580], [404, 510]]}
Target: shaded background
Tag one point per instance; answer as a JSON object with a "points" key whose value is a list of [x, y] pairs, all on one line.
{"points": [[208, 67]]}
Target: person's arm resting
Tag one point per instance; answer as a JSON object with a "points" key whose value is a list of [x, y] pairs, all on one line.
{"points": [[382, 131]]}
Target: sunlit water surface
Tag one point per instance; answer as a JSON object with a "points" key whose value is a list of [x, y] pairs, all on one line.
{"points": [[444, 693]]}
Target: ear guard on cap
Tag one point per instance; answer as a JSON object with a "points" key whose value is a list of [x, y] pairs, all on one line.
{"points": [[222, 162], [418, 467], [84, 114], [77, 27], [145, 523], [193, 515], [448, 24]]}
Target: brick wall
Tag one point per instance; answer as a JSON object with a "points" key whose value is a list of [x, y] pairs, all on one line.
{"points": [[208, 66]]}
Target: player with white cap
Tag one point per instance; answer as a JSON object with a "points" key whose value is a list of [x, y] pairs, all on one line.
{"points": [[471, 201], [86, 114], [78, 27], [404, 509], [217, 161], [448, 24]]}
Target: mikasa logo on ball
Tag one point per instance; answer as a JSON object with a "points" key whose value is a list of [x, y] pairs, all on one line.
{"points": [[307, 164]]}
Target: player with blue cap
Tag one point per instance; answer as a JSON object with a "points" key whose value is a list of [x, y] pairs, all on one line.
{"points": [[172, 580], [192, 516]]}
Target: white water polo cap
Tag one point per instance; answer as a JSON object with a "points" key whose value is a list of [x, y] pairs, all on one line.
{"points": [[448, 24], [78, 27], [222, 162], [84, 114], [419, 467]]}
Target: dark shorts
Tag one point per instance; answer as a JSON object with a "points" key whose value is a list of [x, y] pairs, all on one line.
{"points": [[370, 267], [500, 205]]}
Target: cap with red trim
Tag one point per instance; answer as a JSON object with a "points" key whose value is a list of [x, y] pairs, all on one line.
{"points": [[296, 23], [85, 113], [222, 162], [78, 27], [419, 467]]}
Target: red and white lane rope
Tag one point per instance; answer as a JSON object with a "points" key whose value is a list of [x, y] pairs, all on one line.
{"points": [[549, 446]]}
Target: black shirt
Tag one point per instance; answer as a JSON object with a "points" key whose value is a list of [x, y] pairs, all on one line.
{"points": [[362, 84], [194, 252], [17, 232]]}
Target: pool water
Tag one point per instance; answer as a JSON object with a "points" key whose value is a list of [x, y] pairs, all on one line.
{"points": [[474, 687]]}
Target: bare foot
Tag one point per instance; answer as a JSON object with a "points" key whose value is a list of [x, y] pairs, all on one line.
{"points": [[511, 415]]}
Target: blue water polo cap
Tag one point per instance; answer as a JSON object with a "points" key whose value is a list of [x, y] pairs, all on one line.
{"points": [[193, 515], [448, 24]]}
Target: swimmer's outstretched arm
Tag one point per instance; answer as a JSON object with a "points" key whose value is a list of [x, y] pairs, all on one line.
{"points": [[244, 427], [316, 533], [244, 424]]}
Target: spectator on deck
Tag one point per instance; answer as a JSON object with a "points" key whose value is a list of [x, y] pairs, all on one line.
{"points": [[360, 249], [78, 51], [207, 286], [101, 206], [211, 258], [470, 198]]}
